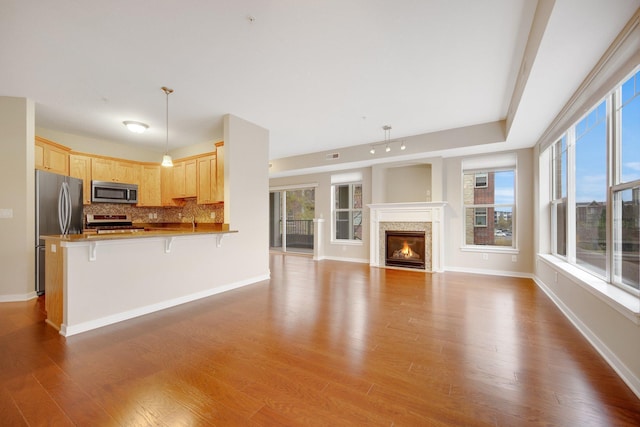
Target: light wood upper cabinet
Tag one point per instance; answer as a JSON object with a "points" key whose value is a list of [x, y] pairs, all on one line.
{"points": [[128, 172], [185, 178], [207, 179], [150, 192], [166, 186], [80, 167], [51, 157], [219, 193], [104, 169]]}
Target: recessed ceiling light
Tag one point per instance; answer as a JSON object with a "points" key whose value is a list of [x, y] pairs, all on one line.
{"points": [[136, 127]]}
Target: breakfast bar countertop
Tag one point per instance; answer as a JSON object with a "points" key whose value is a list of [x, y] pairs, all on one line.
{"points": [[149, 231]]}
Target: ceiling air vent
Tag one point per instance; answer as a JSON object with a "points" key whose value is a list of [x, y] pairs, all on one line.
{"points": [[333, 156]]}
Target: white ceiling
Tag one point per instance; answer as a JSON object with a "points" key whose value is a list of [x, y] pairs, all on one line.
{"points": [[319, 75]]}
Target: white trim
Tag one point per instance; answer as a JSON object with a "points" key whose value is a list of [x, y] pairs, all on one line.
{"points": [[609, 356], [18, 297], [293, 187], [335, 258], [623, 302], [431, 212], [503, 273], [141, 311]]}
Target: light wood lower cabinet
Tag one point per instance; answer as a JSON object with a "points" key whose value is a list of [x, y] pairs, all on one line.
{"points": [[54, 282]]}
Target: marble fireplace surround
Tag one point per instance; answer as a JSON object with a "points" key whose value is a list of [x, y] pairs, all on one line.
{"points": [[418, 216]]}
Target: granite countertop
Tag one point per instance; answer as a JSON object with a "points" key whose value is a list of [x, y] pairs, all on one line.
{"points": [[148, 232]]}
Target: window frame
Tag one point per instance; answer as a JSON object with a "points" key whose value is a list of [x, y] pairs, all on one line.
{"points": [[614, 182], [513, 248], [351, 210]]}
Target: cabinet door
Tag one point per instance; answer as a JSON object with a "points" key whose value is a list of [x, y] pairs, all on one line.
{"points": [[190, 178], [166, 186], [51, 157], [149, 189], [80, 167], [219, 182], [178, 189], [127, 172], [57, 160], [206, 179], [103, 169], [39, 156]]}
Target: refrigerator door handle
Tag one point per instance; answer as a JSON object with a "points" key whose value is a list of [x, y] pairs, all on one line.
{"points": [[64, 209]]}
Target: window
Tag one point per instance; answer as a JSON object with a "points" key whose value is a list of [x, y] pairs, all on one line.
{"points": [[595, 199], [481, 180], [559, 197], [481, 217], [489, 202], [347, 211]]}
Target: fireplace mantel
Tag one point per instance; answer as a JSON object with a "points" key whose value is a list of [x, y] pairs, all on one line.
{"points": [[417, 212]]}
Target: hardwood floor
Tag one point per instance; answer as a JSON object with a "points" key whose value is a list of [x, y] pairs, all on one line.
{"points": [[321, 343]]}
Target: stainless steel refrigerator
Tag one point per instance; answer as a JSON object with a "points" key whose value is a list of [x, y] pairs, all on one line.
{"points": [[58, 211]]}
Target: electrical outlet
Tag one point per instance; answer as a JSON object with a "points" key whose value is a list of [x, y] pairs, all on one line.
{"points": [[6, 213], [213, 215], [150, 216], [179, 215], [514, 258], [485, 256], [155, 215]]}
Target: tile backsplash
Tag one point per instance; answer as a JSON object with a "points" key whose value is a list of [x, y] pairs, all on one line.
{"points": [[190, 210]]}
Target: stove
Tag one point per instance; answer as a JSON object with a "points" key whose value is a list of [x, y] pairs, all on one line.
{"points": [[110, 224]]}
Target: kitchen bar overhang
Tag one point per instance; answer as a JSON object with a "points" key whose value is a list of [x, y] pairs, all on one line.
{"points": [[94, 280]]}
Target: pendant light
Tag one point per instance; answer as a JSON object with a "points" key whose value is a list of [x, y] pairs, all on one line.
{"points": [[166, 159]]}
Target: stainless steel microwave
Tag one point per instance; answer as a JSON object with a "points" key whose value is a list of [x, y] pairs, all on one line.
{"points": [[113, 192]]}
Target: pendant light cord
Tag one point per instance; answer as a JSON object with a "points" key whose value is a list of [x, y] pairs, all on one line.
{"points": [[167, 91]]}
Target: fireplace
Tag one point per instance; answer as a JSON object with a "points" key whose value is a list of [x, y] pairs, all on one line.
{"points": [[405, 249]]}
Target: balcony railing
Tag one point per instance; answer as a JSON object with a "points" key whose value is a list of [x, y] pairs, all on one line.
{"points": [[299, 233]]}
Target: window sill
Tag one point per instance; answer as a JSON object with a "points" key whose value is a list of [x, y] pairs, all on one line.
{"points": [[617, 298], [490, 249], [347, 242]]}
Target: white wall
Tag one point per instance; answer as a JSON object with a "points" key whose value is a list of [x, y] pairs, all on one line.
{"points": [[458, 259], [411, 183], [17, 252], [121, 150], [246, 195], [100, 147]]}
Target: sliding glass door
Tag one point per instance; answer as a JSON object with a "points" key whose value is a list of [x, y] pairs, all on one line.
{"points": [[291, 214]]}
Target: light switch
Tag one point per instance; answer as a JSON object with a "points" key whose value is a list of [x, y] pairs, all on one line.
{"points": [[6, 213]]}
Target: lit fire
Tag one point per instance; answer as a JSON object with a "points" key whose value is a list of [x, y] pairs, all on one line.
{"points": [[406, 250]]}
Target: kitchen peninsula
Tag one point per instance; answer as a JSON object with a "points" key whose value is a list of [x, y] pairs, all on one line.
{"points": [[94, 280]]}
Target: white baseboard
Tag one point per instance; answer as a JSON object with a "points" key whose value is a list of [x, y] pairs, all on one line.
{"points": [[609, 356], [67, 331], [490, 272], [18, 297], [335, 258]]}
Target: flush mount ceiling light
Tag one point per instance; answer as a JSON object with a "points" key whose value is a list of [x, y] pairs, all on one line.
{"points": [[166, 159], [136, 127]]}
